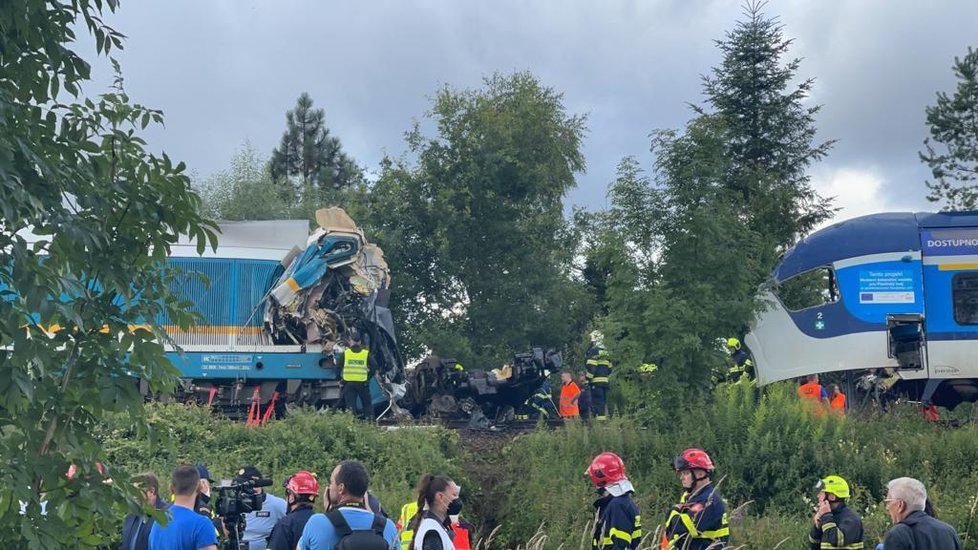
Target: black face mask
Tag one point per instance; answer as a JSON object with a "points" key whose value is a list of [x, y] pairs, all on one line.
{"points": [[454, 507]]}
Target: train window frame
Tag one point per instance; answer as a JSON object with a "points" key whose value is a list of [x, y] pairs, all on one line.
{"points": [[955, 310], [833, 290]]}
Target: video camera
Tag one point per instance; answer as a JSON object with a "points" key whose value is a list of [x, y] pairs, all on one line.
{"points": [[233, 502]]}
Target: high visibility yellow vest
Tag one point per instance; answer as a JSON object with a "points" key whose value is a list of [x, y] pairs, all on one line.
{"points": [[355, 365], [408, 511]]}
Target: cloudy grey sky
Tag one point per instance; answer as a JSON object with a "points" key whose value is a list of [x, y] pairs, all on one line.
{"points": [[225, 72]]}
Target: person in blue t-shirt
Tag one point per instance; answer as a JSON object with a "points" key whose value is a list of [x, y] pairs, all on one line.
{"points": [[185, 529], [347, 491]]}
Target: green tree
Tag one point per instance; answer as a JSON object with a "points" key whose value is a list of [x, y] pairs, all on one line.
{"points": [[103, 213], [953, 125], [309, 156], [476, 225], [769, 133], [245, 191], [729, 192]]}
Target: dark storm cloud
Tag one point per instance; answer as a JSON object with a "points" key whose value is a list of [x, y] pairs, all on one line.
{"points": [[226, 71]]}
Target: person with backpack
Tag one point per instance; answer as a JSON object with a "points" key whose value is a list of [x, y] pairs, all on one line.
{"points": [[349, 525], [438, 501]]}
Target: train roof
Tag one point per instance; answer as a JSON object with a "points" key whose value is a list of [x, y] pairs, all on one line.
{"points": [[865, 235], [252, 240]]}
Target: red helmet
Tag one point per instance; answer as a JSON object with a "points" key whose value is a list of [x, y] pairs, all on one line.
{"points": [[606, 468], [303, 483], [693, 458]]}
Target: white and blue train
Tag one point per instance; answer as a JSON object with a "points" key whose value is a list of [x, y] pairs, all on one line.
{"points": [[894, 291]]}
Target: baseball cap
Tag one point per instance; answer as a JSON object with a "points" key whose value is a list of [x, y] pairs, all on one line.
{"points": [[203, 472]]}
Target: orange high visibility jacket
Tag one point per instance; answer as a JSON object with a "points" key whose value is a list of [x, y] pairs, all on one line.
{"points": [[810, 390], [569, 394], [838, 403]]}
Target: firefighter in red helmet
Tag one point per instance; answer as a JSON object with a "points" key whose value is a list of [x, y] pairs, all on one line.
{"points": [[301, 490], [700, 519], [618, 522]]}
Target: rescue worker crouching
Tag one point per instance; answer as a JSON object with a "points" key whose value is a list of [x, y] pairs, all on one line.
{"points": [[699, 520], [619, 521], [742, 366], [837, 527], [300, 489], [538, 405]]}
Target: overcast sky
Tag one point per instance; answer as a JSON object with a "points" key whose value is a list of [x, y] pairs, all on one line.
{"points": [[225, 72]]}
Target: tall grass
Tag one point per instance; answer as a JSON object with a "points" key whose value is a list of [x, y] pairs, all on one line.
{"points": [[769, 450]]}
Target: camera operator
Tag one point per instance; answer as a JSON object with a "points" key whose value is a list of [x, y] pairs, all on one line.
{"points": [[186, 529], [259, 524], [301, 490]]}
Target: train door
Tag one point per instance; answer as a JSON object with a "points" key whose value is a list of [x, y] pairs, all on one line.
{"points": [[950, 258]]}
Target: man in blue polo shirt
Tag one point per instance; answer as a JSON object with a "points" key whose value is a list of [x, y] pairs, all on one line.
{"points": [[185, 529], [347, 488]]}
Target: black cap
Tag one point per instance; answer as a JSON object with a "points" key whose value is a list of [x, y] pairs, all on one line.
{"points": [[248, 473], [204, 472]]}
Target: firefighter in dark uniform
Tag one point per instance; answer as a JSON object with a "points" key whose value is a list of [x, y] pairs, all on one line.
{"points": [[538, 405], [301, 490], [598, 372], [741, 365], [357, 366], [699, 521], [836, 526], [619, 522]]}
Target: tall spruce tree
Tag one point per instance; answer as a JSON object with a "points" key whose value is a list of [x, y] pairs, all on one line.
{"points": [[953, 122], [309, 156], [729, 192], [769, 134]]}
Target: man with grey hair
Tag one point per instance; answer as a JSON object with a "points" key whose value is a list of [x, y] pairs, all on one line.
{"points": [[912, 528]]}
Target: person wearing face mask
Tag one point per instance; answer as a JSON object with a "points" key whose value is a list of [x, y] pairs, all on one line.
{"points": [[619, 522], [699, 521], [438, 500], [203, 503], [348, 524]]}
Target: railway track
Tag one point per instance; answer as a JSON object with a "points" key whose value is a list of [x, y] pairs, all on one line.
{"points": [[509, 428]]}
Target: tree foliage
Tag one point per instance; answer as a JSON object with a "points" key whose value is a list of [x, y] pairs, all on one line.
{"points": [[769, 133], [686, 248], [309, 156], [476, 224], [953, 122], [78, 305], [247, 191]]}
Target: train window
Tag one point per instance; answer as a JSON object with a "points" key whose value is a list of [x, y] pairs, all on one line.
{"points": [[809, 289], [964, 293]]}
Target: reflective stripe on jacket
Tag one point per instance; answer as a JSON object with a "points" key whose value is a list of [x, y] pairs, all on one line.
{"points": [[598, 371], [408, 511], [619, 523], [697, 522], [840, 529], [568, 400], [355, 365]]}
